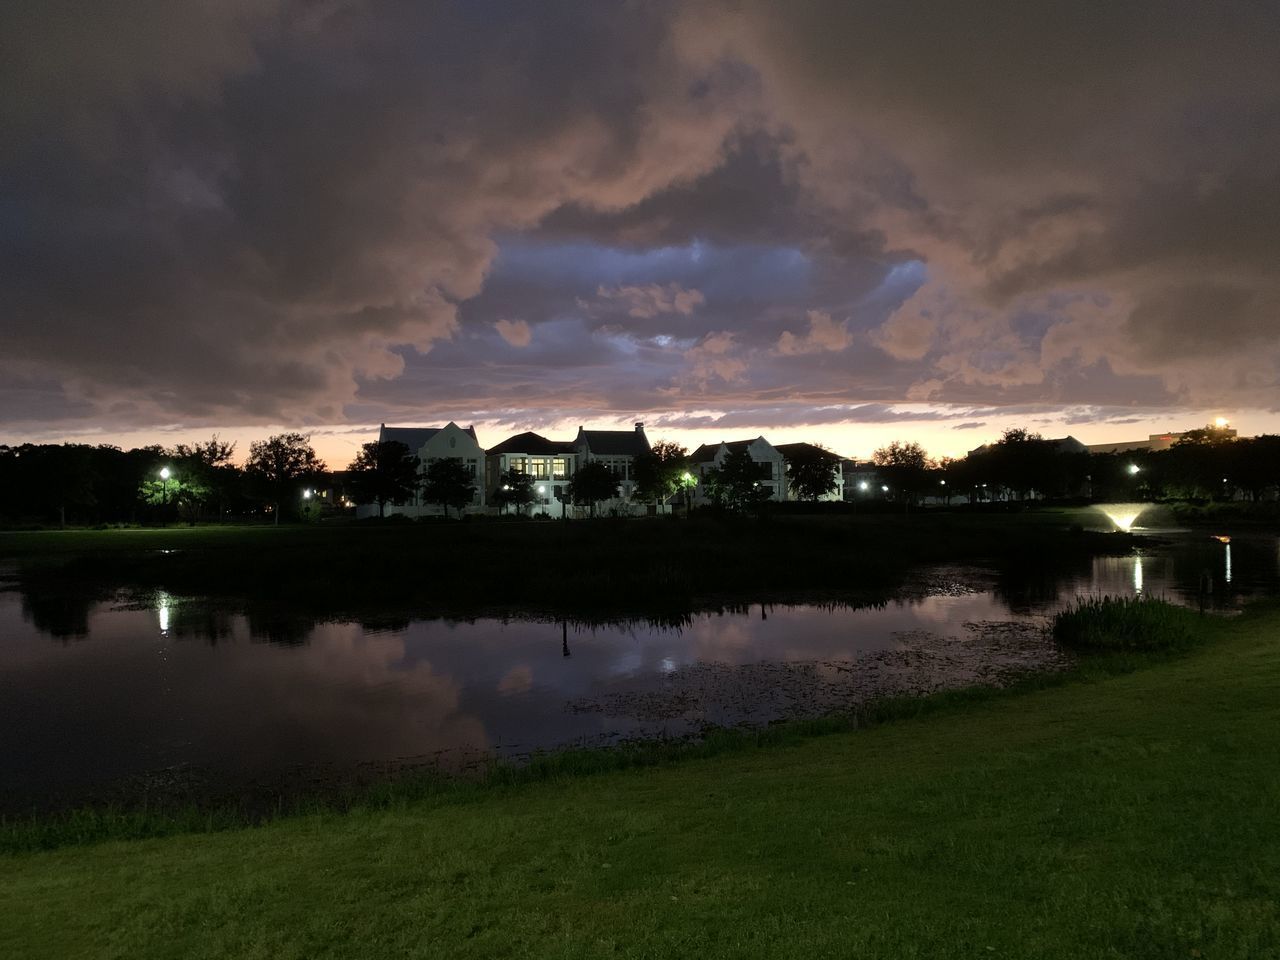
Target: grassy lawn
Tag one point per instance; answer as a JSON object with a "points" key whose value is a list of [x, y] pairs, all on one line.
{"points": [[1131, 816]]}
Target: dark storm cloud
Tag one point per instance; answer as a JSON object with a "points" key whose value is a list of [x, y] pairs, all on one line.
{"points": [[308, 212], [253, 237]]}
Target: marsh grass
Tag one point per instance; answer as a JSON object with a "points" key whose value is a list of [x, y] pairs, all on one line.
{"points": [[1125, 623]]}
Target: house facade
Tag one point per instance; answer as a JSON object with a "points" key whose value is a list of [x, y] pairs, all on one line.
{"points": [[616, 449], [551, 463], [772, 466], [790, 450], [429, 444]]}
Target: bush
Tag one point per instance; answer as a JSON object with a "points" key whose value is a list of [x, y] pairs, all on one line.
{"points": [[1125, 623]]}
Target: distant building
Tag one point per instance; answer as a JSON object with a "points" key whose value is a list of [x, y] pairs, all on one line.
{"points": [[770, 462], [551, 463], [859, 480], [1154, 442], [616, 449], [792, 450], [1061, 445], [429, 444]]}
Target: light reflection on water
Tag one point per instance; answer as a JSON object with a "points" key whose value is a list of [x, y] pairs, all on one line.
{"points": [[92, 697]]}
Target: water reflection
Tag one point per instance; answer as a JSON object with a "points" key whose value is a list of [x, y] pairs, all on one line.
{"points": [[268, 695]]}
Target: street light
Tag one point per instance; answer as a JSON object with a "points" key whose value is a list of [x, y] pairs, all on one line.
{"points": [[1134, 469]]}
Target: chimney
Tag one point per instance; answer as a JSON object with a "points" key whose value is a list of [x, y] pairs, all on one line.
{"points": [[639, 426]]}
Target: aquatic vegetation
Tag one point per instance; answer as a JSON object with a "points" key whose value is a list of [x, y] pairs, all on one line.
{"points": [[1125, 623]]}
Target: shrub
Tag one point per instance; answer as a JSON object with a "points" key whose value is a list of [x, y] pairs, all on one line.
{"points": [[1125, 623]]}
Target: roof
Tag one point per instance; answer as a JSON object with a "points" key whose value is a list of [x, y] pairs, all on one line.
{"points": [[530, 442], [614, 443], [789, 450], [414, 437], [707, 452]]}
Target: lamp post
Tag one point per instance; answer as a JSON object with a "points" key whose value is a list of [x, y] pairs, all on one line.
{"points": [[164, 496]]}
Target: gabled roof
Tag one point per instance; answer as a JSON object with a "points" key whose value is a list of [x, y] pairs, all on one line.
{"points": [[414, 437], [614, 443], [707, 452], [789, 450], [530, 442]]}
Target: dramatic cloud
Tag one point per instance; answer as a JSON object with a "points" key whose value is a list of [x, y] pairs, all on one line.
{"points": [[259, 212], [824, 334], [515, 332], [653, 300]]}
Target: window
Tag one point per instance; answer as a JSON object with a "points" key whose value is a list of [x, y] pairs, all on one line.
{"points": [[519, 464], [560, 468], [539, 468], [766, 470]]}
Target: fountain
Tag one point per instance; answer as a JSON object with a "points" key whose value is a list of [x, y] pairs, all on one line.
{"points": [[1122, 515]]}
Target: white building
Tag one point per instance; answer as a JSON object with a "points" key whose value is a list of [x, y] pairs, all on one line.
{"points": [[616, 449], [549, 462], [429, 444], [790, 450], [770, 462]]}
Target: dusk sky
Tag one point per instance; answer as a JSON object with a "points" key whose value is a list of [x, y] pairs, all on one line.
{"points": [[839, 222]]}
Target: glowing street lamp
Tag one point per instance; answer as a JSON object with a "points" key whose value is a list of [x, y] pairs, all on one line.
{"points": [[1134, 469], [863, 485], [164, 481]]}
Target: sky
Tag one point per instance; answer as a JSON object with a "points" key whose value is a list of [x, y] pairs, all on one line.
{"points": [[824, 221]]}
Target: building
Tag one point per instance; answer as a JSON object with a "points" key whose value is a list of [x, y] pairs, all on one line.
{"points": [[791, 450], [549, 462], [773, 473], [617, 450], [1154, 441], [860, 480], [430, 444]]}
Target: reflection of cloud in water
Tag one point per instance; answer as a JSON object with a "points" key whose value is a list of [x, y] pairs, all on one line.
{"points": [[519, 679]]}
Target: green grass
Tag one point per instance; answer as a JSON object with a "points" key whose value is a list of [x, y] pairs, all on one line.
{"points": [[1133, 815], [1125, 623]]}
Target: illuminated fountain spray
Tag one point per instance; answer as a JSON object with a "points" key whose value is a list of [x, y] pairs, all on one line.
{"points": [[1122, 515]]}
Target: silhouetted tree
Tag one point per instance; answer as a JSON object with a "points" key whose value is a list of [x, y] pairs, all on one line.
{"points": [[659, 473], [812, 472], [736, 482], [279, 465], [594, 482], [448, 482], [383, 473], [904, 467], [515, 488]]}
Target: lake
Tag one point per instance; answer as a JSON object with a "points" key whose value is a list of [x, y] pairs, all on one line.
{"points": [[105, 699]]}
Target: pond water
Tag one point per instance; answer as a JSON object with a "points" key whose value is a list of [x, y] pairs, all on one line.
{"points": [[106, 700]]}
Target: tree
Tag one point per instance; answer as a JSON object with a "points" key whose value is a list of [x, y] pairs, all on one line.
{"points": [[383, 473], [515, 488], [207, 476], [736, 482], [904, 467], [812, 472], [660, 473], [278, 465], [449, 482], [1025, 461], [593, 483]]}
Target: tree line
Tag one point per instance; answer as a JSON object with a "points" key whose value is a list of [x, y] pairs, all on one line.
{"points": [[84, 484]]}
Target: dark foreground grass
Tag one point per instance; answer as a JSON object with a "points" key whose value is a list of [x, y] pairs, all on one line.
{"points": [[1130, 816]]}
